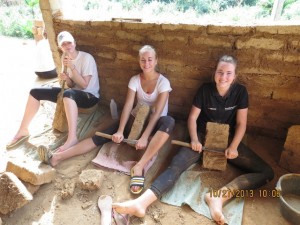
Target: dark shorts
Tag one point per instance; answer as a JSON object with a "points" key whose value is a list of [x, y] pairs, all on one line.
{"points": [[82, 99]]}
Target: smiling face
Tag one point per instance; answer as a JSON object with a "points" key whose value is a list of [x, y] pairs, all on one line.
{"points": [[147, 60], [225, 75]]}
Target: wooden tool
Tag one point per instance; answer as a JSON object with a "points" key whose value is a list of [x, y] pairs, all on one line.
{"points": [[108, 136], [185, 144], [60, 122]]}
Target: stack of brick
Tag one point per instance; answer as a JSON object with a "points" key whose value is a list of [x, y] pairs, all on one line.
{"points": [[21, 179]]}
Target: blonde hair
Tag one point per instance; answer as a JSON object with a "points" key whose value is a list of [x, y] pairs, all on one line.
{"points": [[147, 48], [228, 59]]}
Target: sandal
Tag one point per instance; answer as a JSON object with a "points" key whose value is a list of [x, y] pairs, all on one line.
{"points": [[14, 142], [136, 181], [120, 219], [105, 206], [45, 155]]}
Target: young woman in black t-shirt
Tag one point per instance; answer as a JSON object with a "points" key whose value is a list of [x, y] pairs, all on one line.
{"points": [[223, 101]]}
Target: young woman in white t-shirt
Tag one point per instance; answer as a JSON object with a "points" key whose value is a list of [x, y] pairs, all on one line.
{"points": [[82, 79], [150, 88]]}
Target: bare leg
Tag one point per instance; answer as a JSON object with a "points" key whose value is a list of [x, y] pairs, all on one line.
{"points": [[155, 144], [31, 109], [215, 204], [72, 115], [138, 206], [80, 148]]}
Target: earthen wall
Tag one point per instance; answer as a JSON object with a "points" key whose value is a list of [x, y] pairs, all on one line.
{"points": [[269, 62]]}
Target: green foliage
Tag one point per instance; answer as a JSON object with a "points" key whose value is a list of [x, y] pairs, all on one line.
{"points": [[17, 21], [32, 3]]}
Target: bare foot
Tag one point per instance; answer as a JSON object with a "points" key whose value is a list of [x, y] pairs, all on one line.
{"points": [[20, 137], [215, 206], [136, 171], [66, 145], [130, 207]]}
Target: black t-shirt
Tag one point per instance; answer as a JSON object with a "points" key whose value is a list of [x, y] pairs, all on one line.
{"points": [[218, 109]]}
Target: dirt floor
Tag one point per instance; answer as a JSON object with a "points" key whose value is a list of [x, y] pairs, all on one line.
{"points": [[17, 58]]}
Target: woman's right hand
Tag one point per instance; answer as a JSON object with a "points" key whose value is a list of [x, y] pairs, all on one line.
{"points": [[196, 146], [117, 137], [63, 76]]}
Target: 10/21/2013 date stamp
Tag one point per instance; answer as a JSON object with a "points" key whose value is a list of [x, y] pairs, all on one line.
{"points": [[262, 193]]}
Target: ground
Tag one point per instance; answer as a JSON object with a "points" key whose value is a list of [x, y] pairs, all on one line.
{"points": [[17, 66]]}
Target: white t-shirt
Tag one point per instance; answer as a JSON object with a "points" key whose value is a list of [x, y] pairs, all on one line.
{"points": [[86, 66], [143, 98]]}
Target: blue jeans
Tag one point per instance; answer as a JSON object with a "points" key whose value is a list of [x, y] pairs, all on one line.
{"points": [[257, 171]]}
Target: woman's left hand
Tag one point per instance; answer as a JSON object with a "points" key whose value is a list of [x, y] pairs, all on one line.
{"points": [[141, 143], [231, 153]]}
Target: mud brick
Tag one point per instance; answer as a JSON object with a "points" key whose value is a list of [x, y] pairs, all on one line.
{"points": [[290, 156], [13, 194], [31, 188], [216, 138], [90, 179], [31, 171], [142, 114], [68, 189]]}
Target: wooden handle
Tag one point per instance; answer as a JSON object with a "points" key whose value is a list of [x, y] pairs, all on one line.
{"points": [[108, 136], [181, 143]]}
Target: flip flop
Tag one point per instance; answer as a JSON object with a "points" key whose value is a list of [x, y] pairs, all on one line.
{"points": [[120, 219], [105, 206], [45, 155], [14, 142], [136, 181]]}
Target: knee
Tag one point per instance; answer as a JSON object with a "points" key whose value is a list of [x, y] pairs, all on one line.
{"points": [[34, 93], [168, 124], [69, 93]]}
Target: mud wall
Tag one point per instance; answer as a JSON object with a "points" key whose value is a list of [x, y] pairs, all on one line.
{"points": [[269, 62]]}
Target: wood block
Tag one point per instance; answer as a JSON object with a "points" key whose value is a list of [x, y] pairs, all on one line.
{"points": [[216, 138], [31, 171], [142, 114], [13, 194], [90, 179], [290, 156]]}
